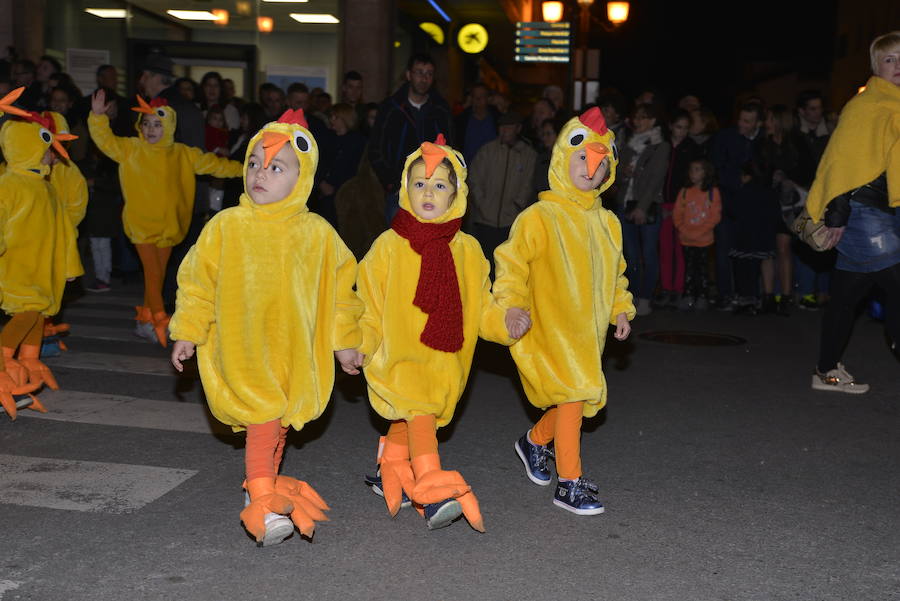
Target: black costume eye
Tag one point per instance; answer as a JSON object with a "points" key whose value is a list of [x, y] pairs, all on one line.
{"points": [[462, 161], [577, 137], [301, 142], [615, 151], [46, 136], [161, 113]]}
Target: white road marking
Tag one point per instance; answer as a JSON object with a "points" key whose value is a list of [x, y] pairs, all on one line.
{"points": [[84, 485], [120, 410], [8, 585], [128, 364]]}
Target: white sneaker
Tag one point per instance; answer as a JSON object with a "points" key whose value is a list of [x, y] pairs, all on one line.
{"points": [[838, 380], [643, 307], [278, 527], [143, 329]]}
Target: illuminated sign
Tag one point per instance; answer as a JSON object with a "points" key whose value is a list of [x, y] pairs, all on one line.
{"points": [[542, 42]]}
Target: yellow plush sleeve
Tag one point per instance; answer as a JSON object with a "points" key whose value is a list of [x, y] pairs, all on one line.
{"points": [[348, 307], [75, 195], [370, 286], [493, 316], [195, 306], [109, 144], [622, 300], [512, 261], [207, 163]]}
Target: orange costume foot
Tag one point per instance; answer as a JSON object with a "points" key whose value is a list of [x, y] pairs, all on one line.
{"points": [[14, 381], [53, 329], [160, 323], [434, 486], [396, 474], [264, 500], [308, 506], [38, 373]]}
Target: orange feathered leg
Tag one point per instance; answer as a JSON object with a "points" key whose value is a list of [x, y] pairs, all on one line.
{"points": [[263, 500], [38, 373], [434, 486], [308, 505], [396, 473]]}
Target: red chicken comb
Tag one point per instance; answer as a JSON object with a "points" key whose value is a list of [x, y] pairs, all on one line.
{"points": [[440, 140], [593, 118], [294, 117]]}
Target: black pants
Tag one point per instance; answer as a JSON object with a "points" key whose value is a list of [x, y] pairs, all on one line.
{"points": [[746, 277], [696, 270], [490, 238], [848, 288]]}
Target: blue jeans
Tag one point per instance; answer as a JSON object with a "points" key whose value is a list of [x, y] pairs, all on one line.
{"points": [[641, 249], [871, 240]]}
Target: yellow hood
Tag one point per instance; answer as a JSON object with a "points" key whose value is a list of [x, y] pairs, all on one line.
{"points": [[24, 144], [165, 112], [458, 208], [576, 134], [292, 125]]}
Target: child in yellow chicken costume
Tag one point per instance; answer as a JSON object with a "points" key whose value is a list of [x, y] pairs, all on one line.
{"points": [[563, 261], [427, 298], [266, 294], [158, 185], [38, 252]]}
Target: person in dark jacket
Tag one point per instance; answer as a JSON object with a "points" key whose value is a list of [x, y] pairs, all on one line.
{"points": [[347, 150], [414, 114], [477, 125]]}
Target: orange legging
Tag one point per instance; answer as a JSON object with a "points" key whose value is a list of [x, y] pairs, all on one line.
{"points": [[265, 446], [420, 433], [154, 260], [563, 425], [23, 328]]}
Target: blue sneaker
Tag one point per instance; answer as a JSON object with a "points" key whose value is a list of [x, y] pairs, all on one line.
{"points": [[50, 347], [375, 483], [438, 515], [578, 496], [535, 459]]}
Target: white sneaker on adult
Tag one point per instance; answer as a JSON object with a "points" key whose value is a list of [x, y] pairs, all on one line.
{"points": [[838, 380], [643, 307]]}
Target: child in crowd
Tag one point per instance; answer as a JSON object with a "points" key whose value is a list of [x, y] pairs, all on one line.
{"points": [[567, 241], [266, 295], [158, 183], [216, 143], [38, 251], [427, 298], [698, 209]]}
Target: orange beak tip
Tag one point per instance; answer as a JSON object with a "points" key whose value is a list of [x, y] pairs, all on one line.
{"points": [[272, 142], [59, 148]]}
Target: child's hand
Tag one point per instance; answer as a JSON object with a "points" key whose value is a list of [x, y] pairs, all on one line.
{"points": [[182, 351], [350, 359], [99, 106], [518, 321], [623, 328]]}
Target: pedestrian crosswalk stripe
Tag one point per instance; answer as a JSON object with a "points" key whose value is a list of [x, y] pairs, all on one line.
{"points": [[127, 364], [120, 410], [8, 585], [84, 485]]}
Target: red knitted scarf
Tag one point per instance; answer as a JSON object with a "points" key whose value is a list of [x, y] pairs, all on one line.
{"points": [[437, 292]]}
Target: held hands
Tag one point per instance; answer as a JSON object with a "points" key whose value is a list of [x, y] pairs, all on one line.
{"points": [[99, 106], [182, 351], [350, 359], [833, 236], [623, 328], [518, 322]]}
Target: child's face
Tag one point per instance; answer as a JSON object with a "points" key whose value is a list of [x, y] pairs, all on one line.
{"points": [[152, 128], [679, 129], [578, 171], [696, 173], [275, 182], [889, 66], [430, 197], [216, 120]]}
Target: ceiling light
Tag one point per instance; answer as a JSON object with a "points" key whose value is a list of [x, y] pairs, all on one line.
{"points": [[221, 16], [285, 1], [107, 13], [265, 24], [314, 18], [193, 15]]}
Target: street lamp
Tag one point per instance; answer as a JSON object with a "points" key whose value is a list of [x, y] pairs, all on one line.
{"points": [[617, 13], [552, 11]]}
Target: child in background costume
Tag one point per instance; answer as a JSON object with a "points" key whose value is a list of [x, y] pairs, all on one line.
{"points": [[38, 251], [427, 298], [158, 183], [266, 294], [563, 260]]}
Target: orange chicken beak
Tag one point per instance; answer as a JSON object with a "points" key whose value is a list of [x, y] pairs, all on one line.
{"points": [[596, 152], [58, 147], [6, 103], [272, 142], [142, 107], [433, 155]]}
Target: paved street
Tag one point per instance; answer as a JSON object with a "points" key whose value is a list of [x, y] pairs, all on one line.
{"points": [[724, 477]]}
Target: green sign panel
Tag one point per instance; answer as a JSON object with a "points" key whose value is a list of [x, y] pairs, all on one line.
{"points": [[542, 42]]}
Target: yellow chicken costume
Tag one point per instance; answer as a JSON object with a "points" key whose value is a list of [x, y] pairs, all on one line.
{"points": [[563, 262], [415, 369], [267, 295], [37, 250], [158, 184]]}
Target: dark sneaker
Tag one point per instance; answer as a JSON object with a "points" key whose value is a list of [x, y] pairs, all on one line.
{"points": [[375, 483], [98, 286], [535, 459], [785, 303], [724, 303], [578, 496], [809, 302], [439, 515]]}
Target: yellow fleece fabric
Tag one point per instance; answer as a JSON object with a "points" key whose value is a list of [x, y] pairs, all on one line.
{"points": [[865, 144], [38, 251], [266, 294], [563, 262], [67, 181], [405, 377], [158, 179]]}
